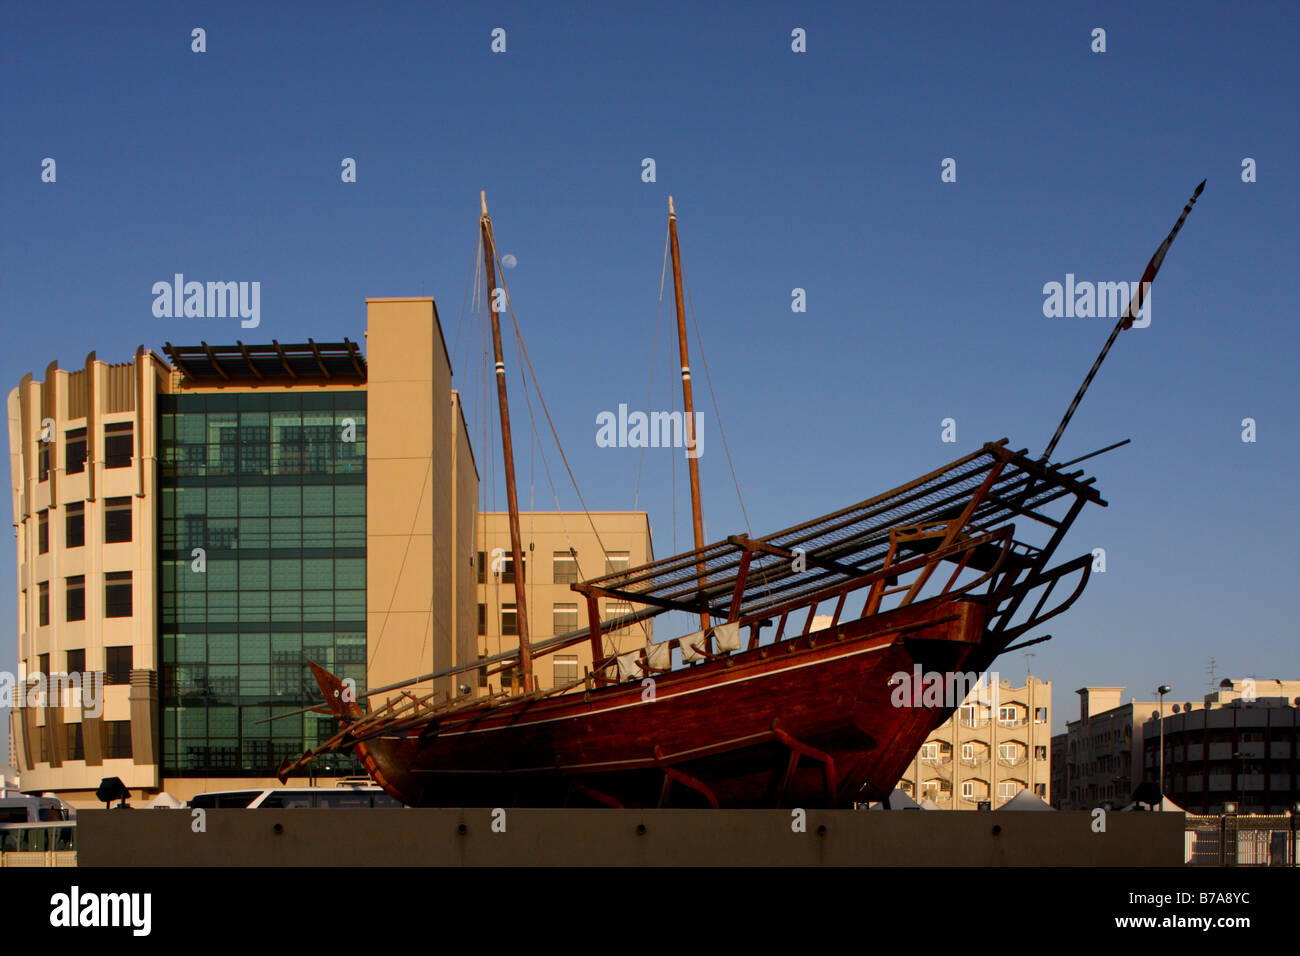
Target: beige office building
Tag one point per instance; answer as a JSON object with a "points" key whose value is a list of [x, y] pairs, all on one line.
{"points": [[1102, 751], [192, 528], [1239, 744], [559, 549], [994, 746]]}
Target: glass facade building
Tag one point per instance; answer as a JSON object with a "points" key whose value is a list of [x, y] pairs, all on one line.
{"points": [[196, 526], [262, 567]]}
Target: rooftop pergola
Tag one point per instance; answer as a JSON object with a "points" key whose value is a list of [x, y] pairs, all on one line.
{"points": [[314, 362]]}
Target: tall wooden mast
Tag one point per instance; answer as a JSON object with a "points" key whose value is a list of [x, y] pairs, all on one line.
{"points": [[507, 451], [692, 454]]}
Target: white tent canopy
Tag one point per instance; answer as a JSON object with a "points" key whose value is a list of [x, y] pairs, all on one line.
{"points": [[164, 801], [1024, 800], [1166, 805], [897, 800]]}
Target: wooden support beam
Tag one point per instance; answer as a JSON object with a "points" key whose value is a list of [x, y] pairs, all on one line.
{"points": [[750, 545], [320, 362], [248, 360], [212, 360], [354, 355], [284, 359]]}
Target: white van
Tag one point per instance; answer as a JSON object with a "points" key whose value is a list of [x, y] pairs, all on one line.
{"points": [[298, 798], [27, 809]]}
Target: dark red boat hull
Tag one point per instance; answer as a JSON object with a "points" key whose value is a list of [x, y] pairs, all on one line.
{"points": [[755, 729]]}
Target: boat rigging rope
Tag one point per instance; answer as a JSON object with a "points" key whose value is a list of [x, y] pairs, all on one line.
{"points": [[654, 353], [716, 414], [527, 361], [465, 299]]}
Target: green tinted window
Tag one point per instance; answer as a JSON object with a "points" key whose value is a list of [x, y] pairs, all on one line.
{"points": [[272, 487]]}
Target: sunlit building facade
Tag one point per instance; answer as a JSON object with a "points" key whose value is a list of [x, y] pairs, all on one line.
{"points": [[192, 527], [996, 745]]}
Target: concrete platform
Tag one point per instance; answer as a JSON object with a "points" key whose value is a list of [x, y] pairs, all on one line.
{"points": [[601, 837]]}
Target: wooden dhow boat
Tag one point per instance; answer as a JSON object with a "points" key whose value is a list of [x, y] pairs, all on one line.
{"points": [[785, 696]]}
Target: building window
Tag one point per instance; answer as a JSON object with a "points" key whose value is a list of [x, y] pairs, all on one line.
{"points": [[968, 790], [117, 739], [254, 449], [117, 520], [508, 568], [1040, 789], [75, 661], [565, 668], [76, 743], [43, 531], [1007, 715], [564, 618], [117, 594], [565, 565], [930, 751], [616, 561], [482, 567], [117, 665], [119, 441], [1040, 715], [43, 462], [1040, 753], [74, 451], [43, 604], [482, 670], [1008, 788], [967, 751], [75, 590], [615, 610], [44, 662], [74, 525], [482, 619], [509, 619]]}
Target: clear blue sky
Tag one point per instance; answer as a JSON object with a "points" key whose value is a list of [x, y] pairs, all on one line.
{"points": [[818, 170]]}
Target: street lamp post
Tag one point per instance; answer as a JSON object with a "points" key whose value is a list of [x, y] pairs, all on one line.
{"points": [[1237, 756], [1162, 690]]}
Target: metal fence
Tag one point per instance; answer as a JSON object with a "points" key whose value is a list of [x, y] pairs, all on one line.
{"points": [[1232, 839]]}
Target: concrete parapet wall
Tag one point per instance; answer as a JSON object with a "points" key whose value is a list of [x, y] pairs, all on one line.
{"points": [[611, 838]]}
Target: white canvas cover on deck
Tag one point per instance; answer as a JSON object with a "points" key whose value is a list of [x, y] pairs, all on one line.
{"points": [[628, 665], [689, 643], [727, 636], [659, 656]]}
